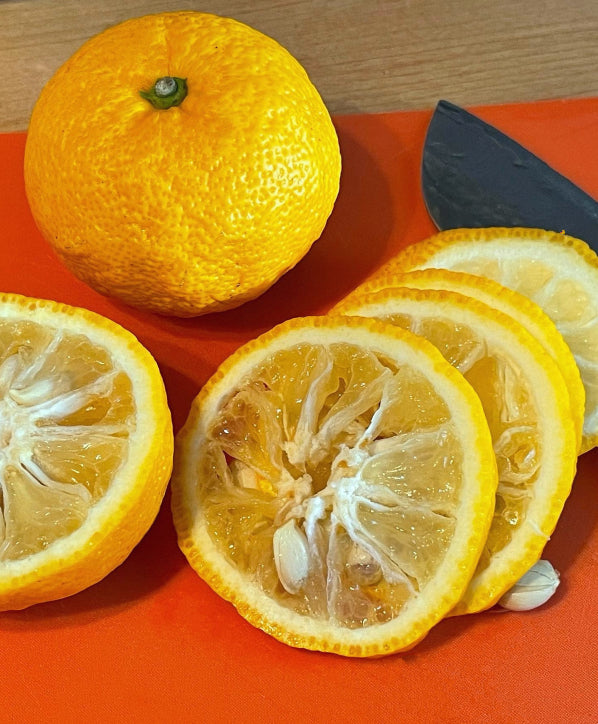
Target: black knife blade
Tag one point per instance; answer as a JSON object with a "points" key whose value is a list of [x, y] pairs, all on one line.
{"points": [[473, 175]]}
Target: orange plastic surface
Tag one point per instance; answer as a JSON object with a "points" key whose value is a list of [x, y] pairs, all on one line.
{"points": [[152, 643]]}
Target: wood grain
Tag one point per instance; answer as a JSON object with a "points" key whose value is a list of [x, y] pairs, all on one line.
{"points": [[363, 55]]}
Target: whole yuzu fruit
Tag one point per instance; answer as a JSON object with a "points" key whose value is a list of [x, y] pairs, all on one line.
{"points": [[181, 162]]}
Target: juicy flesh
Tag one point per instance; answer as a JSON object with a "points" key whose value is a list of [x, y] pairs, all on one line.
{"points": [[65, 417], [331, 478], [511, 414]]}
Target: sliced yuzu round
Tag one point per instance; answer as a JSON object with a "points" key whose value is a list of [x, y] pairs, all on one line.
{"points": [[335, 481], [86, 448]]}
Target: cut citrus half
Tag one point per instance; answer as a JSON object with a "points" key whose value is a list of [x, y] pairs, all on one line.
{"points": [[558, 272], [335, 481], [495, 295], [528, 410], [86, 448]]}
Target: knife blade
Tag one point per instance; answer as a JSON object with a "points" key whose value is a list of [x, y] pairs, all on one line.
{"points": [[473, 175]]}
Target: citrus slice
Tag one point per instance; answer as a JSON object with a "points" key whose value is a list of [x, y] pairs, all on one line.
{"points": [[558, 272], [335, 481], [528, 410], [495, 295], [86, 448]]}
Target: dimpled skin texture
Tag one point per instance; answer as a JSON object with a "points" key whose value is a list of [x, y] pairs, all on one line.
{"points": [[193, 209]]}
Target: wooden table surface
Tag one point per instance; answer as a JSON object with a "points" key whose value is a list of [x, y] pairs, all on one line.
{"points": [[363, 55]]}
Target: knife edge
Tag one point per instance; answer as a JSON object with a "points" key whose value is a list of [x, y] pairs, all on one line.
{"points": [[473, 175]]}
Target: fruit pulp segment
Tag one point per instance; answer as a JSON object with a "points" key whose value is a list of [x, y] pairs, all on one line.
{"points": [[67, 413], [330, 478], [510, 411]]}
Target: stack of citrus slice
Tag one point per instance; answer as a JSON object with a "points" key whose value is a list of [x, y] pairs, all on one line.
{"points": [[528, 408], [335, 480], [347, 481]]}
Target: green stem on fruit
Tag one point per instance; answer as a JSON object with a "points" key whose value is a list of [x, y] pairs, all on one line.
{"points": [[166, 92]]}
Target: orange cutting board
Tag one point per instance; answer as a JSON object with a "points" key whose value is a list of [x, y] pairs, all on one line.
{"points": [[152, 643]]}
